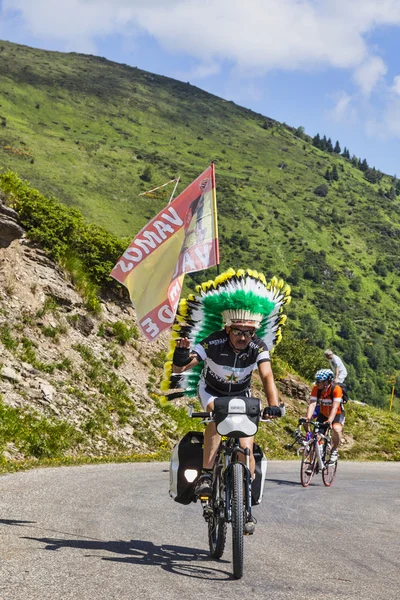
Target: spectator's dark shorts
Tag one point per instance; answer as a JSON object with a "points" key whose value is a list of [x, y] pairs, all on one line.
{"points": [[338, 419]]}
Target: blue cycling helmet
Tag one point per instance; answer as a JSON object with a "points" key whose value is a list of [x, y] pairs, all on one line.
{"points": [[324, 375]]}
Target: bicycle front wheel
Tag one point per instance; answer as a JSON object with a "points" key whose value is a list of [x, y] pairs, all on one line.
{"points": [[237, 519], [217, 523], [308, 463], [329, 473]]}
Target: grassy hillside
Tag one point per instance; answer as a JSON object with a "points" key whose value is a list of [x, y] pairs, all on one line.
{"points": [[86, 131]]}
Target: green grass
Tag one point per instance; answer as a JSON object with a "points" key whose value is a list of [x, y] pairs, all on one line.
{"points": [[35, 436], [84, 130]]}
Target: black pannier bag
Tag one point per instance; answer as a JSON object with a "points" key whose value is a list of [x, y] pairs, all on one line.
{"points": [[257, 485], [185, 465], [237, 416]]}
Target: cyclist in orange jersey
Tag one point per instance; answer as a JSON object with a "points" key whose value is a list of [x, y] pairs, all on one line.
{"points": [[329, 398]]}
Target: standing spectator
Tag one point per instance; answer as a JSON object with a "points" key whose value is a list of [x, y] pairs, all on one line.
{"points": [[337, 366]]}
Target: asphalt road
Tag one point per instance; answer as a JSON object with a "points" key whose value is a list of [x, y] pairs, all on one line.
{"points": [[112, 532]]}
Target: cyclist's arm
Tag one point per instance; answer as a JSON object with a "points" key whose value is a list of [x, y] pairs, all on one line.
{"points": [[335, 371], [194, 361], [336, 377], [335, 406], [311, 406], [267, 379], [182, 355]]}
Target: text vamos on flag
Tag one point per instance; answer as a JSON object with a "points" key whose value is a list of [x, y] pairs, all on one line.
{"points": [[182, 238]]}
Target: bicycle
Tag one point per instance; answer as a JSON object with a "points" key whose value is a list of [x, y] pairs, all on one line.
{"points": [[231, 496], [315, 455]]}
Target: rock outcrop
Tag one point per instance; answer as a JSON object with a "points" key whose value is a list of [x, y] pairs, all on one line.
{"points": [[63, 363], [10, 228]]}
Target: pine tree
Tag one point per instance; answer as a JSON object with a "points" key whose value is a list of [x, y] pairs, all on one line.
{"points": [[337, 148], [364, 165], [316, 141], [329, 145], [328, 175], [335, 174]]}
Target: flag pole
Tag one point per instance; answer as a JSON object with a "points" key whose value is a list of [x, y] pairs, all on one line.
{"points": [[214, 199], [161, 186], [173, 192]]}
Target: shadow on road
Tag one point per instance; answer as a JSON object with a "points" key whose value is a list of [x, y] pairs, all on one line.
{"points": [[16, 522], [282, 482], [175, 559]]}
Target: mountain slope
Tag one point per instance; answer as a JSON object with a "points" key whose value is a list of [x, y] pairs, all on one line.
{"points": [[95, 134], [77, 387]]}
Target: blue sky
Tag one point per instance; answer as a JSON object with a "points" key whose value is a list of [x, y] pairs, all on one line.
{"points": [[331, 66]]}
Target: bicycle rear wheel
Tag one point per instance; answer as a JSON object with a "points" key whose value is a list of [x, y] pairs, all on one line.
{"points": [[329, 473], [216, 522], [308, 463], [237, 519]]}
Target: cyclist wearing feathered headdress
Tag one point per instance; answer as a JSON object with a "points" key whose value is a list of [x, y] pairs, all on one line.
{"points": [[219, 338]]}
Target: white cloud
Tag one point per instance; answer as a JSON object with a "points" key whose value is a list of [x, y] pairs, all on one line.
{"points": [[345, 110], [369, 73], [384, 124], [252, 34], [396, 85]]}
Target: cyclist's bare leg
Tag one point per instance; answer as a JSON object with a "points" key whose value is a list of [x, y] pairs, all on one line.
{"points": [[212, 440], [248, 443], [336, 435]]}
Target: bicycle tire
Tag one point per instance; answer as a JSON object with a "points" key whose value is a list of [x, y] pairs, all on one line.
{"points": [[329, 473], [308, 461], [237, 520], [217, 526]]}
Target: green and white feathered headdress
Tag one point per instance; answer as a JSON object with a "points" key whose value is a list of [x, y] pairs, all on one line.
{"points": [[241, 297]]}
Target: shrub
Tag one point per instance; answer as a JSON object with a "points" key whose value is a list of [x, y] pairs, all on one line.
{"points": [[64, 234], [321, 190]]}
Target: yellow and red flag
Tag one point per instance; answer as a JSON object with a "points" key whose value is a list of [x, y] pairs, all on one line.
{"points": [[182, 238]]}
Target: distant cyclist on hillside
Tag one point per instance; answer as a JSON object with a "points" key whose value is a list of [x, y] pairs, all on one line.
{"points": [[337, 366], [329, 397]]}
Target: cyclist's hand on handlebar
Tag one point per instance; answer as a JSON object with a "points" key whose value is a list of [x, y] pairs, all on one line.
{"points": [[273, 411]]}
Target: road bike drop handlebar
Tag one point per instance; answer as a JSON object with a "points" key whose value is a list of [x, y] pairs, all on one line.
{"points": [[316, 424]]}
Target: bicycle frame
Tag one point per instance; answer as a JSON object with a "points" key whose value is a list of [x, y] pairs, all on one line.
{"points": [[320, 441], [227, 456], [314, 455], [231, 498]]}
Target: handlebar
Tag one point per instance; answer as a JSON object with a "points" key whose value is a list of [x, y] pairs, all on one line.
{"points": [[271, 411], [200, 415], [303, 421]]}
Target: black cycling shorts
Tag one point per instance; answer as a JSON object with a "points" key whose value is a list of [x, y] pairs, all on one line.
{"points": [[340, 418]]}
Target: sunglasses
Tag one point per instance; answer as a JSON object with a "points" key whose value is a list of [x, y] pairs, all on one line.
{"points": [[248, 333]]}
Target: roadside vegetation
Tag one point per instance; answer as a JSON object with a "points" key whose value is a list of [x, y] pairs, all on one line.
{"points": [[91, 135]]}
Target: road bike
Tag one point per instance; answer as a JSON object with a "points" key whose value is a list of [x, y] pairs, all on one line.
{"points": [[231, 499], [316, 454]]}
